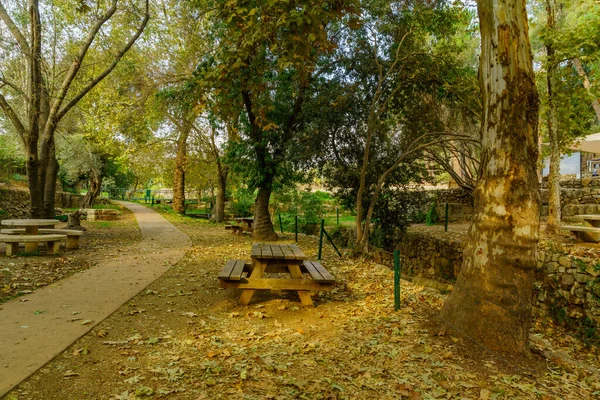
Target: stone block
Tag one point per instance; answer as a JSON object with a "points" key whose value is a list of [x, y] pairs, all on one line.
{"points": [[552, 267], [567, 280], [582, 278], [565, 261]]}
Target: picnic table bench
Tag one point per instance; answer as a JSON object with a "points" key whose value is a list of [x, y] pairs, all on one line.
{"points": [[589, 232], [72, 235], [235, 229], [12, 242], [268, 260]]}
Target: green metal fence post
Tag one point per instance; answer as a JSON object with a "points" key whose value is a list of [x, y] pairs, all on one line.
{"points": [[446, 219], [296, 229], [396, 280], [280, 224], [152, 201], [321, 239], [337, 212]]}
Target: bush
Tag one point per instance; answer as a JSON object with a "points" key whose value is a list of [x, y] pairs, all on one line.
{"points": [[242, 203], [395, 210]]}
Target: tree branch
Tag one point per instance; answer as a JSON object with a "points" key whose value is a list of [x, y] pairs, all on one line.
{"points": [[14, 30], [109, 69], [12, 115]]}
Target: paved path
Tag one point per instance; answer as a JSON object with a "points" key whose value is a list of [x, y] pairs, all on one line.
{"points": [[35, 331]]}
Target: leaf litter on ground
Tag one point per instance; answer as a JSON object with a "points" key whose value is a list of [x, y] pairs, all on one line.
{"points": [[352, 345]]}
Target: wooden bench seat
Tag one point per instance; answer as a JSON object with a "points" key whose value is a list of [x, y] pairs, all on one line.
{"points": [[233, 270], [585, 233], [317, 272], [72, 241], [234, 228], [12, 242]]}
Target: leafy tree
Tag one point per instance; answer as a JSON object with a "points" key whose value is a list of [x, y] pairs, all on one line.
{"points": [[48, 71], [267, 57], [383, 104]]}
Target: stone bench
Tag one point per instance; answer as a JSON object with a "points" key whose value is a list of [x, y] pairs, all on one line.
{"points": [[584, 233], [12, 242], [72, 241]]}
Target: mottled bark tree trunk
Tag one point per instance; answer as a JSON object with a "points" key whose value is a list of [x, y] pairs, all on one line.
{"points": [[554, 211], [95, 186], [491, 301], [180, 165], [587, 85], [263, 227]]}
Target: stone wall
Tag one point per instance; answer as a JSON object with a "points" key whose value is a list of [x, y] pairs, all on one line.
{"points": [[14, 202], [566, 287], [575, 198]]}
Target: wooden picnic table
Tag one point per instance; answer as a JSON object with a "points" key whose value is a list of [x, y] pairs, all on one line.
{"points": [[269, 260], [31, 228], [249, 221]]}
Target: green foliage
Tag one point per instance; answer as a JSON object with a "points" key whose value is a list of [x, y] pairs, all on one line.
{"points": [[392, 215], [242, 202], [432, 215], [309, 206]]}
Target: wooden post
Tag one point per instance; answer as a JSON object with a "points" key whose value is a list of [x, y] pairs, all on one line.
{"points": [[446, 219], [396, 280], [321, 239]]}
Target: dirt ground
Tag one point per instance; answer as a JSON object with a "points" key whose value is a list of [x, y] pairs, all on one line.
{"points": [[185, 338]]}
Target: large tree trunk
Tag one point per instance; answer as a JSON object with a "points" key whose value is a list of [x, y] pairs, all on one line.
{"points": [[263, 227], [554, 214], [180, 165], [95, 183], [491, 301], [587, 85], [219, 208]]}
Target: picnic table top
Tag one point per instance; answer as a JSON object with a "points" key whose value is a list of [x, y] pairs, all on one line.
{"points": [[277, 251], [245, 219], [30, 222]]}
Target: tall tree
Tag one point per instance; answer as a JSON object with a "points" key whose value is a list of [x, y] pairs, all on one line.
{"points": [[268, 55], [491, 301], [36, 105]]}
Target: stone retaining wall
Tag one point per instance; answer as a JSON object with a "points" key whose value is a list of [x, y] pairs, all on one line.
{"points": [[14, 202], [567, 288]]}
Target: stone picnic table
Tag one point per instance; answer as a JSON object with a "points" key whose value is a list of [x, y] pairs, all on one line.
{"points": [[269, 260], [31, 227]]}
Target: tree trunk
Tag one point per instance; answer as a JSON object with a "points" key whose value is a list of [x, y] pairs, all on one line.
{"points": [[587, 86], [50, 184], [491, 301], [263, 227], [93, 191], [219, 208], [180, 164], [554, 214]]}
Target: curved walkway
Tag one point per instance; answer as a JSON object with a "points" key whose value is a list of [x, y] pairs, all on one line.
{"points": [[35, 331]]}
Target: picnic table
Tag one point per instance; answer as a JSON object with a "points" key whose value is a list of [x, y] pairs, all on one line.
{"points": [[590, 231], [271, 265], [31, 228], [248, 221]]}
